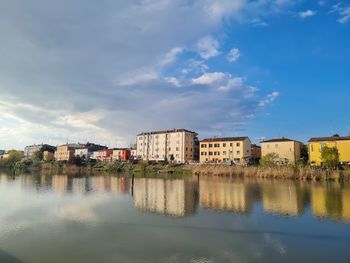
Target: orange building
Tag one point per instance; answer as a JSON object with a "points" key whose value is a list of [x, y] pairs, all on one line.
{"points": [[121, 154]]}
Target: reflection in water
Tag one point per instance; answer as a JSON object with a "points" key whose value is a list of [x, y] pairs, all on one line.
{"points": [[179, 198], [284, 198], [224, 194], [330, 201], [167, 197]]}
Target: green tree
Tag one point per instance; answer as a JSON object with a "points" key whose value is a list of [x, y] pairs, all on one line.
{"points": [[269, 159], [38, 156], [12, 159], [330, 156]]}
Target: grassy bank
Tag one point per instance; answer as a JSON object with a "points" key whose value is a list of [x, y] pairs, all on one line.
{"points": [[276, 172]]}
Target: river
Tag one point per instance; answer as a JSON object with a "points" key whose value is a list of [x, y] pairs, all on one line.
{"points": [[108, 218]]}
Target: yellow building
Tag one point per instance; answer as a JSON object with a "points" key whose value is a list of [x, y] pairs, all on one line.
{"points": [[341, 142], [217, 150], [288, 151]]}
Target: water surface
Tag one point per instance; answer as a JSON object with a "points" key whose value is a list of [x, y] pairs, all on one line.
{"points": [[110, 218]]}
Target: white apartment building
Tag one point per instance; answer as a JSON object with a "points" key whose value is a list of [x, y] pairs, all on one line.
{"points": [[178, 145]]}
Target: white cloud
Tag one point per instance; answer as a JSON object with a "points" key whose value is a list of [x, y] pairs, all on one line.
{"points": [[233, 55], [208, 47], [343, 11], [171, 56], [269, 99], [307, 13], [210, 78], [99, 75], [173, 80]]}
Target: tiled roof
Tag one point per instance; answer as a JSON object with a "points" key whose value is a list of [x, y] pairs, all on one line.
{"points": [[333, 138], [225, 139]]}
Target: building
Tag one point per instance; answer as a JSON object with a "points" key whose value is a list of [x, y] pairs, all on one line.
{"points": [[31, 149], [106, 155], [121, 154], [256, 153], [176, 145], [133, 152], [342, 143], [48, 156], [229, 149], [287, 150], [66, 152], [88, 149]]}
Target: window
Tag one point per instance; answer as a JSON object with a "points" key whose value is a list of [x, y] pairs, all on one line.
{"points": [[186, 149], [238, 144], [210, 153], [216, 145], [214, 153], [224, 153], [202, 153], [210, 145], [169, 149], [231, 144], [218, 153], [224, 145], [177, 149], [203, 146], [238, 152]]}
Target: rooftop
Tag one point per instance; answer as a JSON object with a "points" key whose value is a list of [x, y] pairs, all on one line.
{"points": [[332, 139], [279, 140], [166, 131], [225, 139]]}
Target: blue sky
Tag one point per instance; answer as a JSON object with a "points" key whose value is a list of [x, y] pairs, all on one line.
{"points": [[77, 71]]}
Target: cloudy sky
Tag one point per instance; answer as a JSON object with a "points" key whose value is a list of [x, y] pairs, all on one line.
{"points": [[102, 71]]}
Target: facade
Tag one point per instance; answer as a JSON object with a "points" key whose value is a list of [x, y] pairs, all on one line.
{"points": [[88, 149], [229, 149], [121, 154], [106, 155], [176, 145], [288, 151], [31, 149], [341, 142], [66, 152], [256, 152], [48, 156]]}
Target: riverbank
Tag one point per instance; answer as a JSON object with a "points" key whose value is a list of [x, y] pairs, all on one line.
{"points": [[276, 172], [162, 169]]}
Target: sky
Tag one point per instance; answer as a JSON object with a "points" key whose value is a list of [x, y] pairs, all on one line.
{"points": [[103, 71]]}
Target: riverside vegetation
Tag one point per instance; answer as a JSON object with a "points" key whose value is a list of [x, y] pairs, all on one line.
{"points": [[268, 167]]}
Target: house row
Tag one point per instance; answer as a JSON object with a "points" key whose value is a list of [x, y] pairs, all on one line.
{"points": [[183, 146]]}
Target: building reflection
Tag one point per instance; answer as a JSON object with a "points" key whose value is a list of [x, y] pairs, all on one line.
{"points": [[283, 198], [219, 193], [59, 183], [176, 198], [330, 201]]}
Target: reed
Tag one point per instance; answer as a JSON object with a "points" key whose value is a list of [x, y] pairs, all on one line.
{"points": [[276, 172]]}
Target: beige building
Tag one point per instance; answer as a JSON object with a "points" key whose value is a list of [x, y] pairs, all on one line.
{"points": [[177, 145], [229, 149], [288, 151], [48, 156], [66, 152]]}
